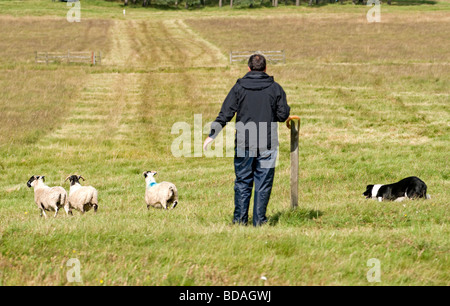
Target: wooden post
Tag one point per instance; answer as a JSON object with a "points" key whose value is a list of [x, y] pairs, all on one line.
{"points": [[295, 127], [68, 56], [46, 58]]}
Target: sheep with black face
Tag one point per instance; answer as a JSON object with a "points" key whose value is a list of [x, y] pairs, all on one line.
{"points": [[82, 198], [47, 198], [159, 195]]}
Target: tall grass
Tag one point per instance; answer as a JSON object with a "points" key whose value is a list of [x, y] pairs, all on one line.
{"points": [[373, 121], [35, 98]]}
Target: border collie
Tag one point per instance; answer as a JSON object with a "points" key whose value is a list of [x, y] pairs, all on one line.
{"points": [[409, 188]]}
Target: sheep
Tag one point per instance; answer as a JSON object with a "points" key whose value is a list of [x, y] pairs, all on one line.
{"points": [[81, 198], [47, 198], [159, 195]]}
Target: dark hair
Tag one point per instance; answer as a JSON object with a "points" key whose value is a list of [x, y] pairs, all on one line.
{"points": [[257, 62]]}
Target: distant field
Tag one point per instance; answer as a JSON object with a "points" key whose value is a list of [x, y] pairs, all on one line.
{"points": [[335, 37], [31, 95], [374, 103]]}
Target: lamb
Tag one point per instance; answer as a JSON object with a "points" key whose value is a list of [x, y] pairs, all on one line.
{"points": [[81, 198], [47, 198], [160, 195]]}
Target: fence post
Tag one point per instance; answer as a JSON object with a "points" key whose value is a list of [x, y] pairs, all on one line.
{"points": [[295, 127], [93, 58], [46, 58], [68, 56]]}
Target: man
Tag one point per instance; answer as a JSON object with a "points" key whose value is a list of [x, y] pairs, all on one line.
{"points": [[259, 103]]}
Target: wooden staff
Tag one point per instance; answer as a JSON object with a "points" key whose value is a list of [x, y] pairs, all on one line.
{"points": [[295, 127]]}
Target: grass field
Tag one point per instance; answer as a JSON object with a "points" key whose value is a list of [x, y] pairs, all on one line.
{"points": [[375, 108]]}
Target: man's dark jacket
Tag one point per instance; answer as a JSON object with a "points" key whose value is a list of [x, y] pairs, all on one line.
{"points": [[258, 99]]}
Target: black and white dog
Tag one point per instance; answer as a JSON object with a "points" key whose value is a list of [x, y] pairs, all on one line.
{"points": [[408, 188]]}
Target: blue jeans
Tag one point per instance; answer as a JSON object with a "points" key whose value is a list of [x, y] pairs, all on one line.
{"points": [[258, 169]]}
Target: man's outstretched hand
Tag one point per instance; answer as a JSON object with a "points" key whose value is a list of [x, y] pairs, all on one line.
{"points": [[207, 142]]}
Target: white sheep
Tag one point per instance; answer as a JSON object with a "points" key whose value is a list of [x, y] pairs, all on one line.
{"points": [[47, 198], [81, 198], [159, 195]]}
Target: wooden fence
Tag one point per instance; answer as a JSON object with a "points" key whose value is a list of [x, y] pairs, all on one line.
{"points": [[271, 56], [89, 57]]}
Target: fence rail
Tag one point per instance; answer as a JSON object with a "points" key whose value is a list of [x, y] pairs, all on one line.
{"points": [[87, 57], [271, 56]]}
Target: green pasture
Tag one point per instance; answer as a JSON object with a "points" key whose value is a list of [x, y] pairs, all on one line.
{"points": [[374, 102]]}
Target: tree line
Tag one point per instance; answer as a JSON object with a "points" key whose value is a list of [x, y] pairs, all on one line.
{"points": [[239, 3]]}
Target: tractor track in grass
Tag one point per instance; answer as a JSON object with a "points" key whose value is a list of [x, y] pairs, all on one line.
{"points": [[107, 108], [161, 44]]}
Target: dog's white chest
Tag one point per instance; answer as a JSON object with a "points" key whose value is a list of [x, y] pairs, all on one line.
{"points": [[375, 190]]}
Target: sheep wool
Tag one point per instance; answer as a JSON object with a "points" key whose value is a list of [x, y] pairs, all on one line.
{"points": [[81, 198], [159, 195], [47, 198]]}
